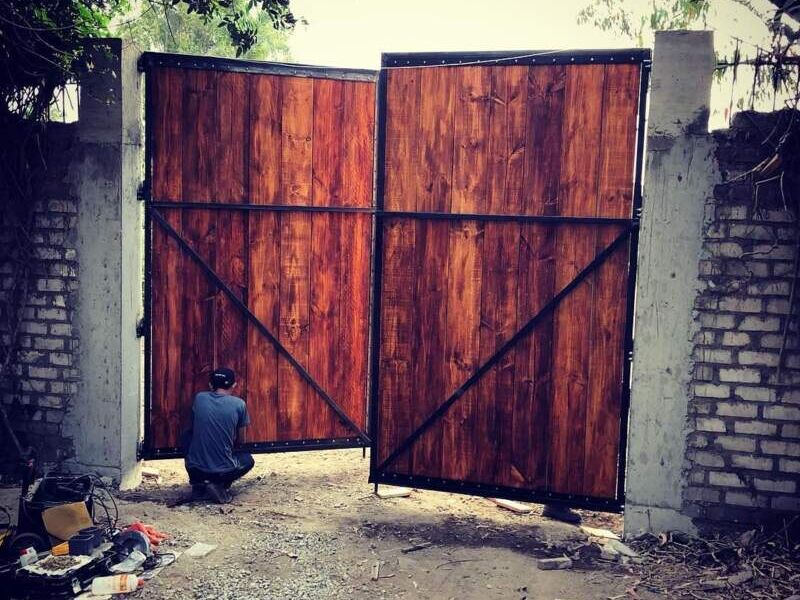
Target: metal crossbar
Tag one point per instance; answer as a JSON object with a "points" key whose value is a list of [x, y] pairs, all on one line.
{"points": [[211, 274], [500, 352], [388, 214]]}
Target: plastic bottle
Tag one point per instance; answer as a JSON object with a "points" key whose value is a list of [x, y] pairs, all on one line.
{"points": [[116, 584]]}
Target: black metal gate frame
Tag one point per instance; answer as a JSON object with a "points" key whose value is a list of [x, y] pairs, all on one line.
{"points": [[148, 61], [380, 472]]}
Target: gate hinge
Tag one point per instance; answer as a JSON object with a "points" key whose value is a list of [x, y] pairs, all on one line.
{"points": [[142, 192], [140, 449], [141, 327]]}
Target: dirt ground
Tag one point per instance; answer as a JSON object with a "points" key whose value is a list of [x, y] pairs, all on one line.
{"points": [[307, 525]]}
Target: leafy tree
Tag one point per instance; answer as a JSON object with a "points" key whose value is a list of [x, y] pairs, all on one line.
{"points": [[625, 17], [177, 28]]}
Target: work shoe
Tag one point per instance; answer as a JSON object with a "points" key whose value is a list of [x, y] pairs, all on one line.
{"points": [[217, 493], [198, 491], [561, 513]]}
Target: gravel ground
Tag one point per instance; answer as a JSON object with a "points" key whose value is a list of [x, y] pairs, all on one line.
{"points": [[307, 526]]}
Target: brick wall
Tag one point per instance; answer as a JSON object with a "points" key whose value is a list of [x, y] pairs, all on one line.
{"points": [[744, 447], [44, 381]]}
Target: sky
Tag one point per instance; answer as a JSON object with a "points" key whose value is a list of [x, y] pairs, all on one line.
{"points": [[353, 33]]}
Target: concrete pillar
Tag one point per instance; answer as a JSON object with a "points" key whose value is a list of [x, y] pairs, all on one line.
{"points": [[679, 178], [104, 419]]}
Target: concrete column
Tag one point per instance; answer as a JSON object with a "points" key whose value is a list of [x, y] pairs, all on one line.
{"points": [[679, 178], [104, 419]]}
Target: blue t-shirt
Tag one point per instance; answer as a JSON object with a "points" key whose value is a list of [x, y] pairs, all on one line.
{"points": [[216, 417]]}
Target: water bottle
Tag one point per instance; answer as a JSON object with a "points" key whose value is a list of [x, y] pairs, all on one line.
{"points": [[116, 584]]}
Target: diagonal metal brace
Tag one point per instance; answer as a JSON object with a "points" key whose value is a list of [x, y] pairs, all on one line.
{"points": [[215, 279], [508, 344]]}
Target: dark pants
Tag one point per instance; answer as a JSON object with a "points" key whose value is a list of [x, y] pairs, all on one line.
{"points": [[243, 459]]}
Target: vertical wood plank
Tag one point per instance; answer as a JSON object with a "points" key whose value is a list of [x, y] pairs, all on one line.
{"points": [[575, 247], [263, 281], [167, 144], [230, 335], [396, 344], [465, 256], [296, 184], [434, 160], [607, 361], [167, 387], [533, 376], [199, 153], [358, 140], [402, 125]]}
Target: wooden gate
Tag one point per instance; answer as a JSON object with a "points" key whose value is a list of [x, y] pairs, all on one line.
{"points": [[508, 193], [259, 190]]}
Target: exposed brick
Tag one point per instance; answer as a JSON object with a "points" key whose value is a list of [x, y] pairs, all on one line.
{"points": [[710, 424], [735, 338], [782, 413], [745, 499], [754, 323], [736, 443], [769, 288], [754, 394], [751, 462], [780, 448], [708, 459], [791, 503], [702, 494], [754, 428], [778, 306], [790, 431], [787, 465], [724, 479], [713, 355], [785, 486], [740, 375], [710, 390], [716, 321], [745, 305], [765, 359], [791, 396]]}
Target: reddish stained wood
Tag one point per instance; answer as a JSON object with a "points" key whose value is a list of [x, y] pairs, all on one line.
{"points": [[294, 395], [168, 388], [533, 376], [575, 248], [353, 326], [359, 133], [166, 165], [437, 91], [430, 377], [606, 362], [396, 343], [492, 445], [328, 146], [402, 126], [465, 256], [324, 357], [263, 290], [230, 334], [263, 294], [199, 152]]}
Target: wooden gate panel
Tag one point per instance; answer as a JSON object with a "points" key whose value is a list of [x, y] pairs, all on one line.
{"points": [[529, 143], [233, 148]]}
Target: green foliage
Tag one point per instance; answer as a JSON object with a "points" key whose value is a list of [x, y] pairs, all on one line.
{"points": [[177, 28], [628, 18]]}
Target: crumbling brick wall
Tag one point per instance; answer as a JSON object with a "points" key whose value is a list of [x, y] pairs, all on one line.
{"points": [[44, 380], [744, 446]]}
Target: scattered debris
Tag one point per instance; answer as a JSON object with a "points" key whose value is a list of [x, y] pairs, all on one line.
{"points": [[599, 533], [151, 474], [621, 548], [200, 549], [415, 547], [552, 564], [385, 492], [517, 507], [376, 571]]}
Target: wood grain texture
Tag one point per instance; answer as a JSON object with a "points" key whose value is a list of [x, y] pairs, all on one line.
{"points": [[264, 139], [575, 248], [607, 359], [538, 140]]}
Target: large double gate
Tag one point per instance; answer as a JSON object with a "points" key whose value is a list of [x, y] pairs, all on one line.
{"points": [[499, 246]]}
